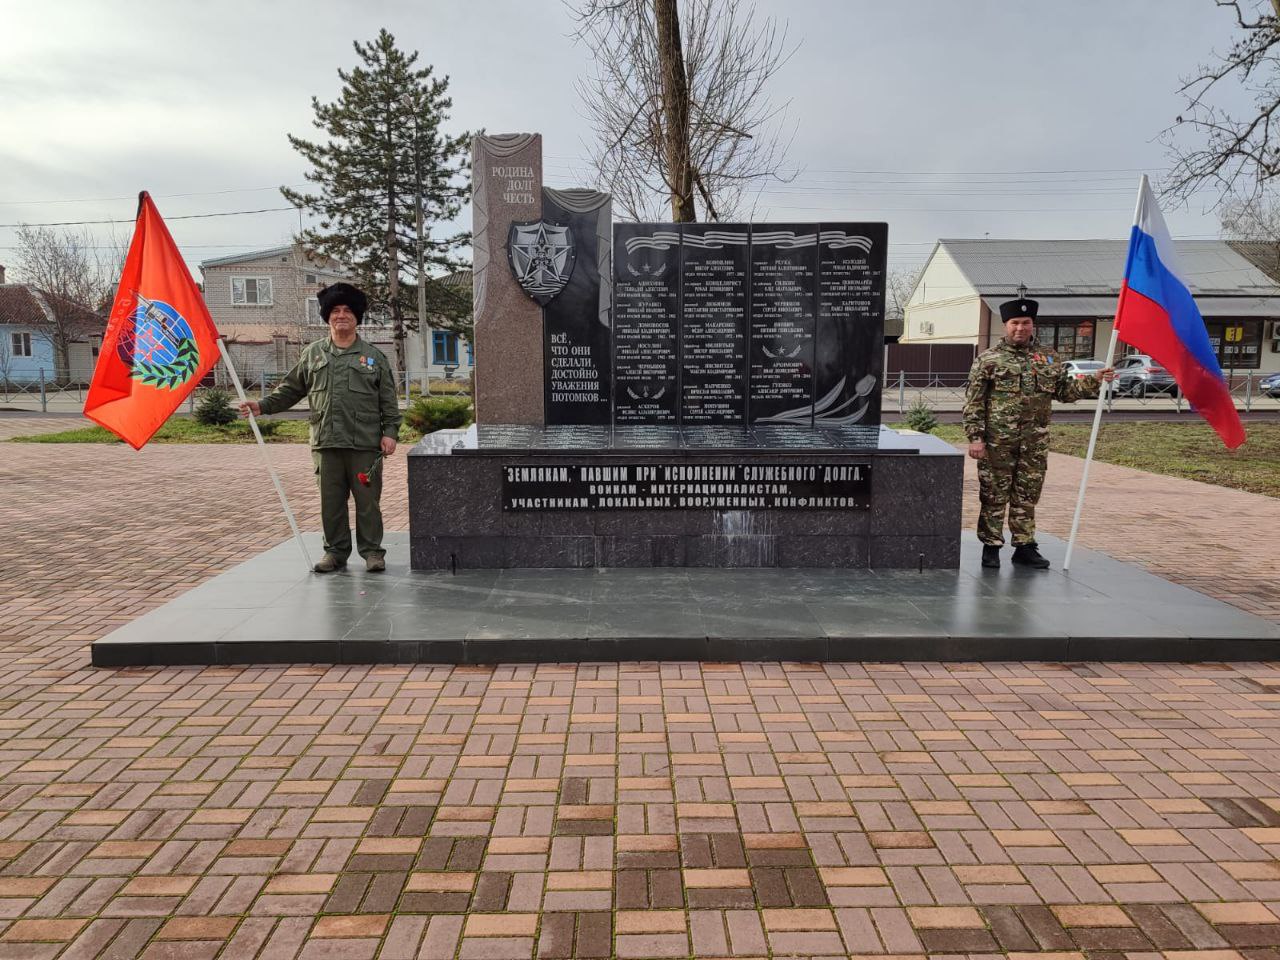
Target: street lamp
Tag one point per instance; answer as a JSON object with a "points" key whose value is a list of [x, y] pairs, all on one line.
{"points": [[1022, 291]]}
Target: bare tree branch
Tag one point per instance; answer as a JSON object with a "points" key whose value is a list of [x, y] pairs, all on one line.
{"points": [[678, 103], [1256, 219], [901, 283], [1211, 145], [75, 276]]}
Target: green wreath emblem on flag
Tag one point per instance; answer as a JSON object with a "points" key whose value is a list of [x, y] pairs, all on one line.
{"points": [[170, 375], [159, 346]]}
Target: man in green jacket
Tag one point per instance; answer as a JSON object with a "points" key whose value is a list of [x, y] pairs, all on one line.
{"points": [[355, 420], [1007, 406]]}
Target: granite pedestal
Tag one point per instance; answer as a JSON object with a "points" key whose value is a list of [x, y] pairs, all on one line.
{"points": [[270, 609], [460, 517]]}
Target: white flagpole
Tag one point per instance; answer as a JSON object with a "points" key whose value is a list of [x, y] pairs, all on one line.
{"points": [[266, 458], [1097, 413]]}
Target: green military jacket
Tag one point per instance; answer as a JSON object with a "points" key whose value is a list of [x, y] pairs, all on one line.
{"points": [[1011, 390], [351, 391]]}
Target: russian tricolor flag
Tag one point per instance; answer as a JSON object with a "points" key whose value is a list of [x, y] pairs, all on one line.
{"points": [[1157, 315]]}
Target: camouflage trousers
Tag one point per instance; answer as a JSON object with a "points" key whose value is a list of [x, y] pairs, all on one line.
{"points": [[1010, 478]]}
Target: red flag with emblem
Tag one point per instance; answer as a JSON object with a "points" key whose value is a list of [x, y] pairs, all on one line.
{"points": [[160, 339]]}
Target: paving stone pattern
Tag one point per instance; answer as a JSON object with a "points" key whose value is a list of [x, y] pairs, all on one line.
{"points": [[631, 810]]}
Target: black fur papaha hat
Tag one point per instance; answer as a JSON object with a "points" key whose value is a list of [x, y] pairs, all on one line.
{"points": [[345, 294]]}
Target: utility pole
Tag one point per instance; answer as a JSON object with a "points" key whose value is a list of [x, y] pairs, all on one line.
{"points": [[422, 243], [421, 240]]}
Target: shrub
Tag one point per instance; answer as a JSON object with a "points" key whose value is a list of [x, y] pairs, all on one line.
{"points": [[214, 409], [920, 416], [439, 413]]}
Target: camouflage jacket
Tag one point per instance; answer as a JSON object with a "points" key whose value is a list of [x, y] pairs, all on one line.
{"points": [[352, 394], [1012, 388]]}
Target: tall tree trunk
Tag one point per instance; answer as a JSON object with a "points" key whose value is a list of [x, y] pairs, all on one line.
{"points": [[675, 106], [61, 355]]}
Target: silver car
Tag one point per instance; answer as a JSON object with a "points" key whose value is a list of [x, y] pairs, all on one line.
{"points": [[1079, 369], [1138, 375]]}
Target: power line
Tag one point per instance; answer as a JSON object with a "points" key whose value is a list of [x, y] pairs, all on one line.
{"points": [[949, 173], [868, 209], [918, 179], [906, 182], [158, 196], [264, 245], [188, 216], [804, 190]]}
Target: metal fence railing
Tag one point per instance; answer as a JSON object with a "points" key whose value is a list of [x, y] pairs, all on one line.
{"points": [[901, 388], [1249, 394], [945, 391], [39, 391], [410, 384], [940, 391], [47, 395]]}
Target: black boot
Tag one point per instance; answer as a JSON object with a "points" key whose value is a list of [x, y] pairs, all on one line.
{"points": [[1028, 555], [990, 555]]}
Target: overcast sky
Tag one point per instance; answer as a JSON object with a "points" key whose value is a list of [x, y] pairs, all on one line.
{"points": [[946, 118]]}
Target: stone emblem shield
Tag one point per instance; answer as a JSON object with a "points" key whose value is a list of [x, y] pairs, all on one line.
{"points": [[542, 256]]}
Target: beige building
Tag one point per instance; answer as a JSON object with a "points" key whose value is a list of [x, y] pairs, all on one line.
{"points": [[957, 298], [264, 303]]}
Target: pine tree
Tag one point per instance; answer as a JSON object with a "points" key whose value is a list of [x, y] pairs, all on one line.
{"points": [[384, 140]]}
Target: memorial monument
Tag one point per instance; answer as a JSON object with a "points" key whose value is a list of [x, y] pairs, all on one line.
{"points": [[674, 395]]}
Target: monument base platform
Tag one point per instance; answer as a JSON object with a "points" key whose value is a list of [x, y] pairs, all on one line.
{"points": [[591, 497], [269, 609]]}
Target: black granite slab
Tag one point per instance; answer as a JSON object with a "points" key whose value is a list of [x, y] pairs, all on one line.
{"points": [[486, 439], [849, 352], [715, 271], [784, 281], [646, 309], [653, 437], [269, 609], [777, 323], [577, 349], [555, 497]]}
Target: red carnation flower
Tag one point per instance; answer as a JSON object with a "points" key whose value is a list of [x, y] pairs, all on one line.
{"points": [[367, 478]]}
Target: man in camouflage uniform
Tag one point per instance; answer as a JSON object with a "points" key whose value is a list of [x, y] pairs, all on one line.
{"points": [[1007, 405], [355, 420]]}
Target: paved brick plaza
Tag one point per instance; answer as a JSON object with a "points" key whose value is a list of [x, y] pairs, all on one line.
{"points": [[638, 810]]}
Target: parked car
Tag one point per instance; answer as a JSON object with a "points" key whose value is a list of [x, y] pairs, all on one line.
{"points": [[1138, 375], [1079, 369], [1270, 385]]}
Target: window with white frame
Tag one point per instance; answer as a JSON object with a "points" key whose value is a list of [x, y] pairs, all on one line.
{"points": [[20, 344], [313, 311], [251, 291]]}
